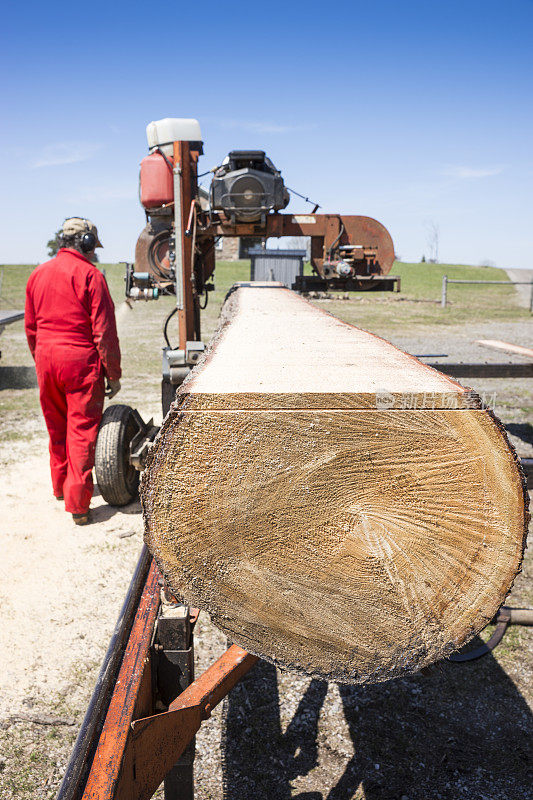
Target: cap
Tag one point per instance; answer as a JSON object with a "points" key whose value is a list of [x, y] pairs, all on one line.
{"points": [[76, 225]]}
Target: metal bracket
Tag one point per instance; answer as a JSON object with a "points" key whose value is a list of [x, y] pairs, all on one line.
{"points": [[506, 616], [142, 441], [178, 238], [173, 659], [157, 742], [338, 283], [177, 363]]}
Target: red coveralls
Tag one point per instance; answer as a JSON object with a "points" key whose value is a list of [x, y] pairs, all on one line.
{"points": [[72, 334]]}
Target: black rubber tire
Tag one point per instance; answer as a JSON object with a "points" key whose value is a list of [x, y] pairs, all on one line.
{"points": [[117, 479]]}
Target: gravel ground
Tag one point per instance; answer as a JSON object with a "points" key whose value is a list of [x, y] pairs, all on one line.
{"points": [[454, 731], [511, 399]]}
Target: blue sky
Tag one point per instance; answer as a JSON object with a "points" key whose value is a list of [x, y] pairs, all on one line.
{"points": [[410, 112]]}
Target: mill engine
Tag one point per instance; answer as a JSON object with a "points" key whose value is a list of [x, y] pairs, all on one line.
{"points": [[247, 186], [245, 199]]}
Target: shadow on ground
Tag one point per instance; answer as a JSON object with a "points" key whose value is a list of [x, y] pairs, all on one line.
{"points": [[103, 513], [17, 378], [522, 430], [463, 730]]}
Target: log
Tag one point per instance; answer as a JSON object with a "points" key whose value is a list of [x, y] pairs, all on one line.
{"points": [[338, 507]]}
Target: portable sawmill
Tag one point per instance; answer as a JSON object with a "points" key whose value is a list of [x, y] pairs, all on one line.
{"points": [[389, 598], [175, 255]]}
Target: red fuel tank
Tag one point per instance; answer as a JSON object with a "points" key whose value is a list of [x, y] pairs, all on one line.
{"points": [[157, 188]]}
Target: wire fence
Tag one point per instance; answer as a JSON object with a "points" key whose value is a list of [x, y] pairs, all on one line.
{"points": [[446, 281]]}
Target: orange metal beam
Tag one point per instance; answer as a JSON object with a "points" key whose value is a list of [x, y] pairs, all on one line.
{"points": [[188, 190], [108, 758], [368, 234], [158, 741], [136, 751]]}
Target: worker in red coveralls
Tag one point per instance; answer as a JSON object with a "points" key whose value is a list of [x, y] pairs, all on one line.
{"points": [[72, 334]]}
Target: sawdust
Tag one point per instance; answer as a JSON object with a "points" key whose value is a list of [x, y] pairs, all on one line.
{"points": [[61, 586]]}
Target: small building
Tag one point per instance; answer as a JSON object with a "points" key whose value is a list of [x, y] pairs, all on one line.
{"points": [[235, 248]]}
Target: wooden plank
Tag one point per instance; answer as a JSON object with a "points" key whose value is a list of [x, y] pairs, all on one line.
{"points": [[351, 540], [507, 347]]}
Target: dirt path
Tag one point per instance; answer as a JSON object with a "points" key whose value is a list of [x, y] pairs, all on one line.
{"points": [[61, 586], [524, 292]]}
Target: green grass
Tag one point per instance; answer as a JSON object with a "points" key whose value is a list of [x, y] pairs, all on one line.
{"points": [[141, 337], [13, 279], [424, 281], [421, 285], [418, 303]]}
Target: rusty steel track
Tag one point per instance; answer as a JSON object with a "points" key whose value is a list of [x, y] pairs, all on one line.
{"points": [[77, 769], [132, 695], [124, 750]]}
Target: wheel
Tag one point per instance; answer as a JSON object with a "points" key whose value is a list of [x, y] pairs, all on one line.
{"points": [[117, 479]]}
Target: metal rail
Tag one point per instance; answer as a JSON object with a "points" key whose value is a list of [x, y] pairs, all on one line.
{"points": [[125, 749], [509, 369], [355, 283], [76, 774], [446, 281], [506, 616], [132, 695]]}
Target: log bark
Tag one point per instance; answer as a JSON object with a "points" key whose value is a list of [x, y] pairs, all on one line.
{"points": [[338, 507]]}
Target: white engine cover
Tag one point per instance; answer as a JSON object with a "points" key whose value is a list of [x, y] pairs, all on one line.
{"points": [[163, 132]]}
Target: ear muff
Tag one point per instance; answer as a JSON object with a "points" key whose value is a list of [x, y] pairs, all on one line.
{"points": [[87, 242]]}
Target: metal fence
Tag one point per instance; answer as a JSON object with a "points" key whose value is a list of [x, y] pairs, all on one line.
{"points": [[446, 281]]}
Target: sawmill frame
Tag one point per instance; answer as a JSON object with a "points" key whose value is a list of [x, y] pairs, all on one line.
{"points": [[191, 253], [147, 706], [128, 745]]}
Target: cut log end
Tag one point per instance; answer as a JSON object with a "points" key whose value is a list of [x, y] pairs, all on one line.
{"points": [[355, 544]]}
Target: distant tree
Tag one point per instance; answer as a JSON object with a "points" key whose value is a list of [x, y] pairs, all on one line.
{"points": [[300, 243], [433, 235], [423, 259], [53, 244], [486, 262], [291, 243]]}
